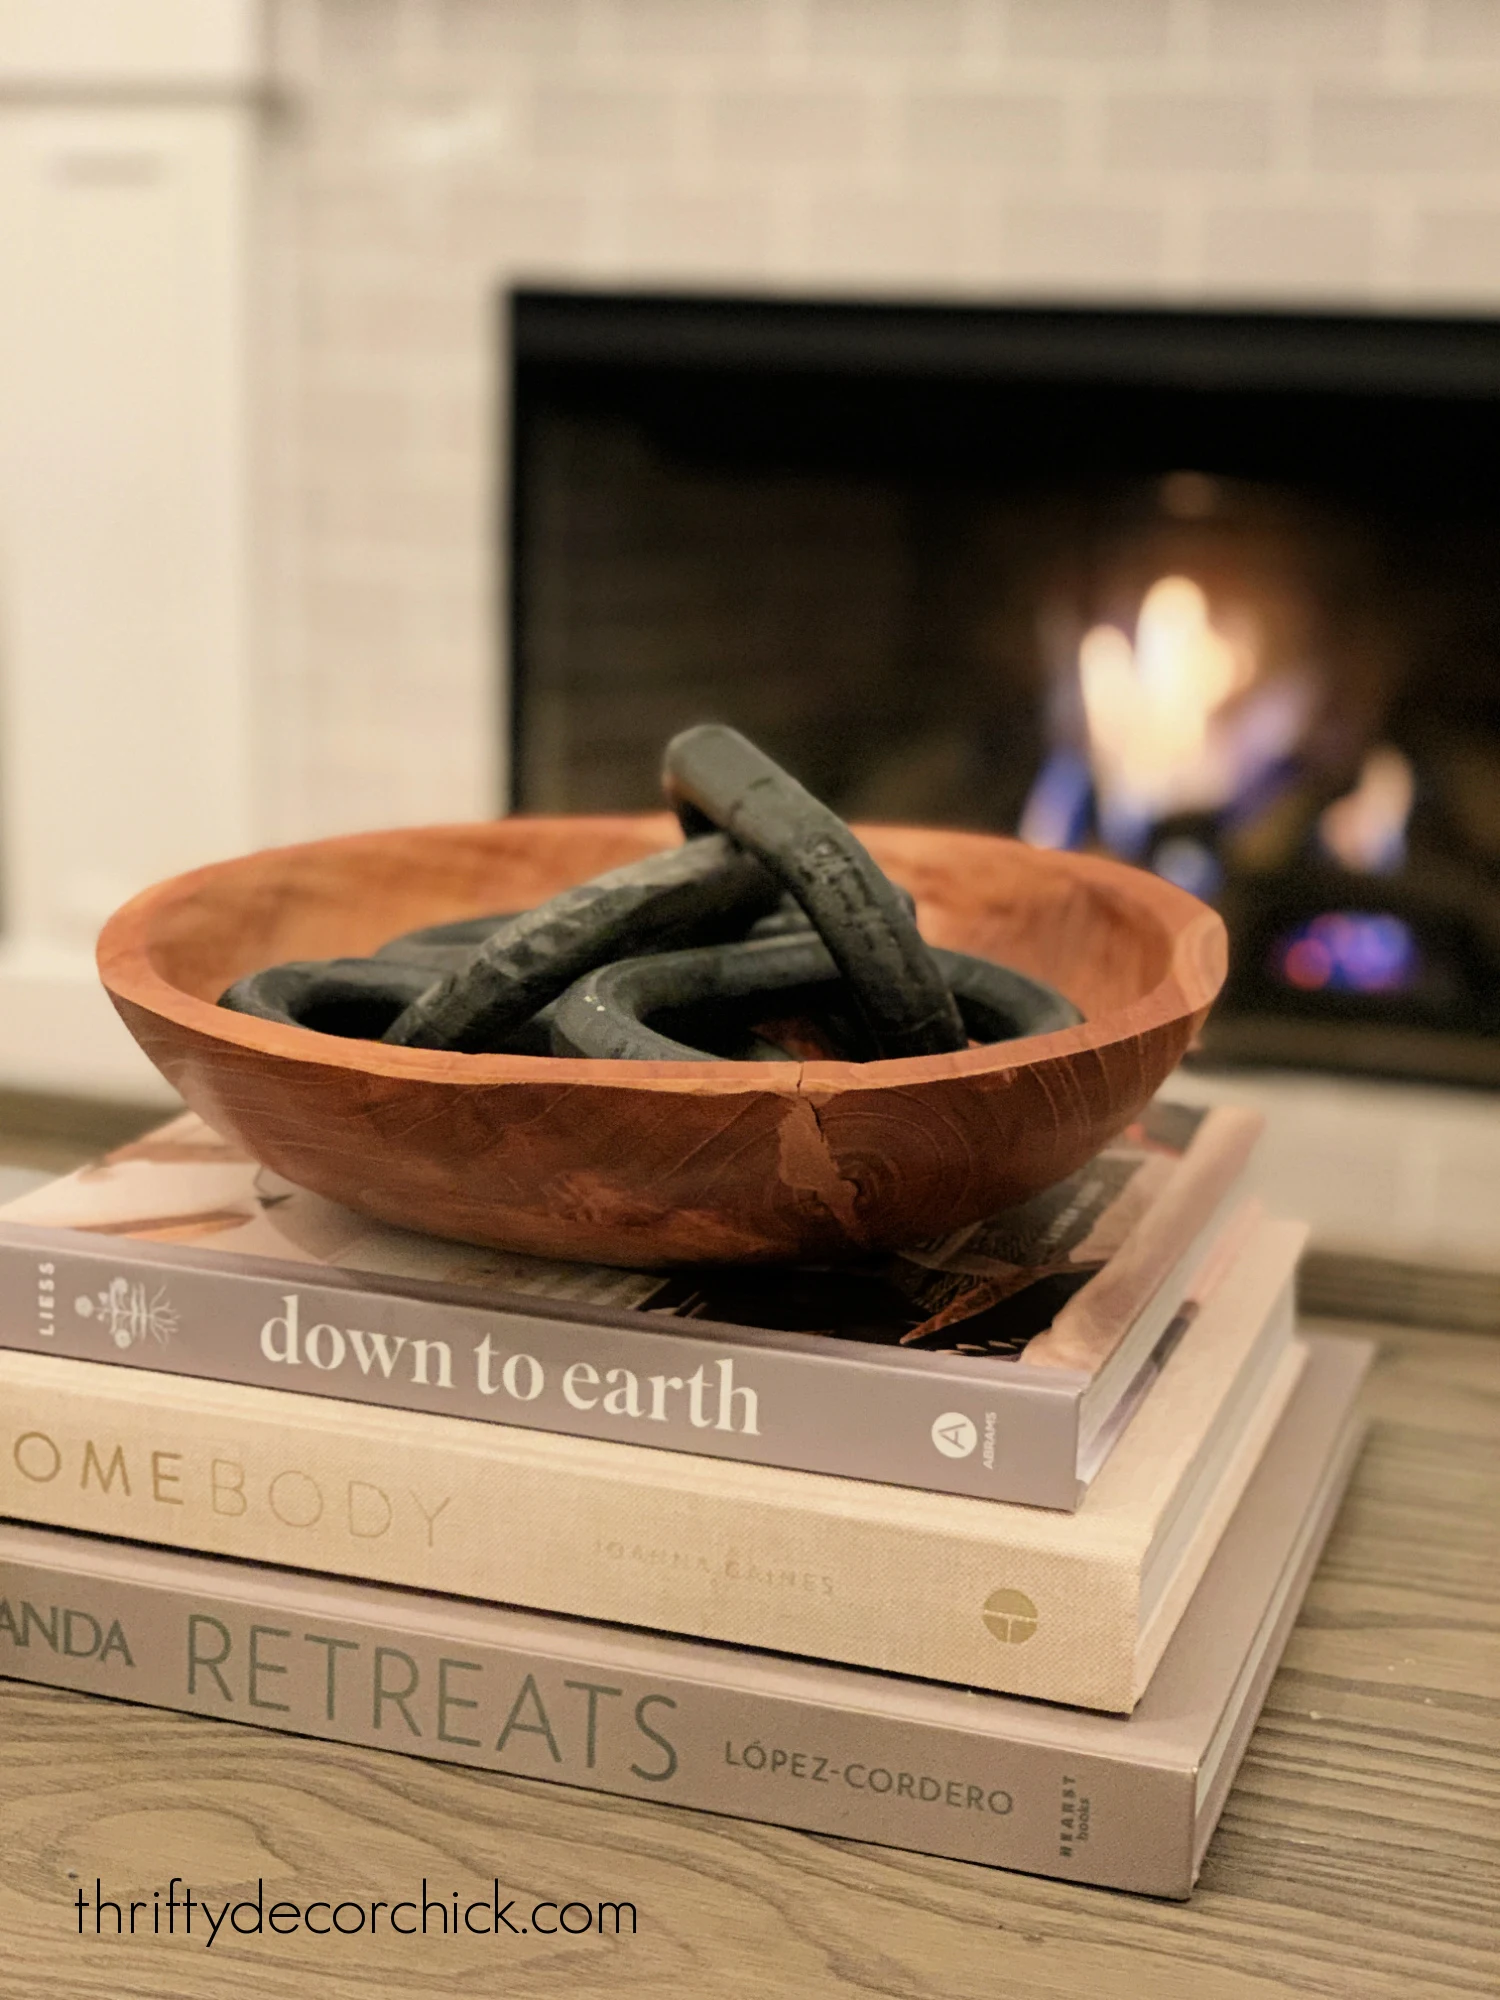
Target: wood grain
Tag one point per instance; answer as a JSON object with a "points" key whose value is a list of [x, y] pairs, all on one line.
{"points": [[661, 1163], [1356, 1859]]}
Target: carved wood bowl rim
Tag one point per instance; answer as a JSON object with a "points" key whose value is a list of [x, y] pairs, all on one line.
{"points": [[132, 937]]}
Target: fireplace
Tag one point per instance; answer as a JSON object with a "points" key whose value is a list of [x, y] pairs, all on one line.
{"points": [[1216, 592]]}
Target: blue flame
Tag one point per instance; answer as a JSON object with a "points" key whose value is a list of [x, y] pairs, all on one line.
{"points": [[1350, 951]]}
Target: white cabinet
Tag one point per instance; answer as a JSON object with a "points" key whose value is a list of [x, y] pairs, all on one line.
{"points": [[126, 741]]}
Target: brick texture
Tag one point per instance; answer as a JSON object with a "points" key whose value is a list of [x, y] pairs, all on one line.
{"points": [[784, 128], [1288, 253], [1081, 248], [839, 29], [656, 29], [593, 122], [1463, 28], [671, 231], [1283, 31], [1186, 134], [482, 31], [907, 242], [972, 133], [1403, 133], [1458, 253], [1088, 31]]}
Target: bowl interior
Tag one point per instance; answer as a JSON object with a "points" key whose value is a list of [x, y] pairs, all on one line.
{"points": [[344, 897], [1106, 936]]}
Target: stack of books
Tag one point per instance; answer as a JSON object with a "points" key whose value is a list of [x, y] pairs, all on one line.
{"points": [[987, 1550]]}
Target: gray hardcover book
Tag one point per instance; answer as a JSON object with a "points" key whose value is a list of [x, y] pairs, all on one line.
{"points": [[1124, 1803], [1002, 1363]]}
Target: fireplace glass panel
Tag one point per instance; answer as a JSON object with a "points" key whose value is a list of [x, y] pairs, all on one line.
{"points": [[1219, 594]]}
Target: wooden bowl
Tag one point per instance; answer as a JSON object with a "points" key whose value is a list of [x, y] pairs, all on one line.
{"points": [[653, 1164]]}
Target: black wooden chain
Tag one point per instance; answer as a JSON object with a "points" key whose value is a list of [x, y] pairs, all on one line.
{"points": [[770, 895], [529, 960], [714, 774], [444, 947], [359, 998], [607, 1012]]}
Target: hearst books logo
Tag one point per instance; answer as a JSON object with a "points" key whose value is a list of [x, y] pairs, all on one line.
{"points": [[1010, 1616], [130, 1311]]}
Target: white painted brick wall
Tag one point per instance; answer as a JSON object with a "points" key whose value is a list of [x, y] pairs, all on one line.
{"points": [[426, 153]]}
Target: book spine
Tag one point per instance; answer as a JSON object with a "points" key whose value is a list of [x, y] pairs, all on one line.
{"points": [[600, 1531], [351, 1666], [936, 1422]]}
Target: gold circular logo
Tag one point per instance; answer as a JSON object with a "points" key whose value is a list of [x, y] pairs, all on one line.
{"points": [[1010, 1615]]}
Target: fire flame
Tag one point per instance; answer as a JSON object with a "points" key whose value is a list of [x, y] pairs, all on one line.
{"points": [[1178, 720], [1366, 829], [1150, 706]]}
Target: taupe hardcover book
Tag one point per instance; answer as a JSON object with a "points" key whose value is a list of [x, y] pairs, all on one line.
{"points": [[1067, 1607], [1003, 1362], [1089, 1798]]}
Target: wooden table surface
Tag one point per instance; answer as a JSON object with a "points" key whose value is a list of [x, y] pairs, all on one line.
{"points": [[1356, 1857]]}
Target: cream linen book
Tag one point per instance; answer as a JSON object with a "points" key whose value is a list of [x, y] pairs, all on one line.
{"points": [[1069, 1608]]}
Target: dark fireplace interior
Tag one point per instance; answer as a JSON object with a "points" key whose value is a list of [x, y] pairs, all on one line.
{"points": [[1217, 593]]}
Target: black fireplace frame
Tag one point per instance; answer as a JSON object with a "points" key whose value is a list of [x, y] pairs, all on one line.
{"points": [[1379, 353]]}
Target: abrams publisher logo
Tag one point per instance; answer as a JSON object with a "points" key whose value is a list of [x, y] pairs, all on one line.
{"points": [[954, 1434], [129, 1311], [1010, 1616]]}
